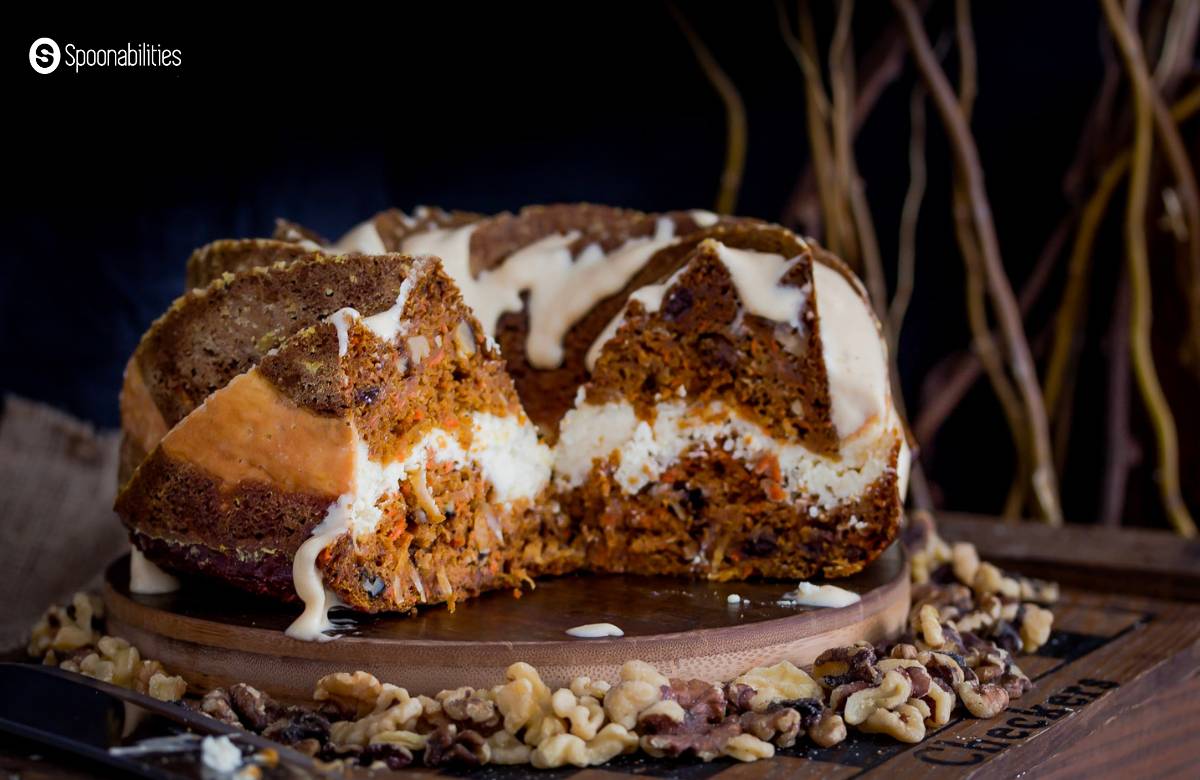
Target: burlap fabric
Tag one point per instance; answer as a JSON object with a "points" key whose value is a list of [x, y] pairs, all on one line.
{"points": [[57, 527]]}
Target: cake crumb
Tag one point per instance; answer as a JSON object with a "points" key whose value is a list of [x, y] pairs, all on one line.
{"points": [[595, 631], [220, 754]]}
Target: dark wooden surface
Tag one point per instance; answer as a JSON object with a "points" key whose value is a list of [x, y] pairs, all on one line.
{"points": [[1117, 688], [1152, 563]]}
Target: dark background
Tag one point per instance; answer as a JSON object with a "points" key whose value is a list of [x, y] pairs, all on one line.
{"points": [[113, 176]]}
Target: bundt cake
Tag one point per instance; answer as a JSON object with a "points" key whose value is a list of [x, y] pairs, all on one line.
{"points": [[443, 403]]}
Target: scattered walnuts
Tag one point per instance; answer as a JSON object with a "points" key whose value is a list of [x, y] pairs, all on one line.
{"points": [[71, 638], [967, 620]]}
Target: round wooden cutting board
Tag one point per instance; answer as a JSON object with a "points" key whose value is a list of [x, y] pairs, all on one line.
{"points": [[216, 636]]}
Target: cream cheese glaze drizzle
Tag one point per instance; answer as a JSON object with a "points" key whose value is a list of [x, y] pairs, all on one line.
{"points": [[561, 288]]}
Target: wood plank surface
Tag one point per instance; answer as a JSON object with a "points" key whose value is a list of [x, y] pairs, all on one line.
{"points": [[1148, 562]]}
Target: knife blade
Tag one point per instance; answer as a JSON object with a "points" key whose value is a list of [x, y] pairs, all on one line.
{"points": [[106, 724]]}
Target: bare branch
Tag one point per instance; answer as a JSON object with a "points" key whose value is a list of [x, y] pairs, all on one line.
{"points": [[1139, 272], [735, 117], [841, 76], [1043, 479], [906, 261]]}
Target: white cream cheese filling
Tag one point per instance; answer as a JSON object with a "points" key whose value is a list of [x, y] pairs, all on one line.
{"points": [[505, 449], [220, 755], [646, 449]]}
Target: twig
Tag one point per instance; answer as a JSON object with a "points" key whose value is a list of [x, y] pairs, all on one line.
{"points": [[1179, 45], [962, 370], [985, 345], [1042, 478], [882, 66], [735, 117], [816, 116], [1189, 198], [841, 77], [1066, 324], [964, 37], [1118, 458], [1139, 273], [906, 261], [1098, 128], [959, 372]]}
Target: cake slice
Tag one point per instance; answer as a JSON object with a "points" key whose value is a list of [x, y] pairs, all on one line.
{"points": [[378, 459], [383, 233], [210, 335], [737, 422], [233, 255]]}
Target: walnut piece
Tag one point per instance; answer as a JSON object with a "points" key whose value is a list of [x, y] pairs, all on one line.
{"points": [[563, 749], [982, 700], [356, 694], [905, 723], [640, 687], [781, 682], [892, 691], [1035, 627], [747, 747]]}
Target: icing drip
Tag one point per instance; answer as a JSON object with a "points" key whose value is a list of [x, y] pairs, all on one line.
{"points": [[561, 288], [386, 324], [318, 600], [809, 595], [146, 578], [757, 276], [595, 631], [854, 352]]}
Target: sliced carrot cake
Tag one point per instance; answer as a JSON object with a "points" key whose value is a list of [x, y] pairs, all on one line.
{"points": [[379, 459]]}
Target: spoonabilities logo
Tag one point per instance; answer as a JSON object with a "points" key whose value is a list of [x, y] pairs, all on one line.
{"points": [[44, 55]]}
